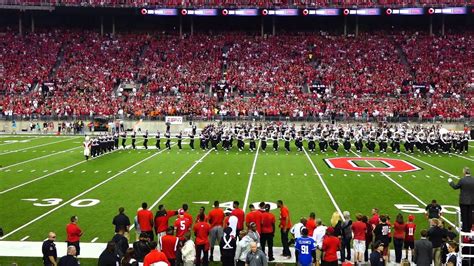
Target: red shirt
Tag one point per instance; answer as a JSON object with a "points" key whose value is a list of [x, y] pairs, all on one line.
{"points": [[284, 215], [73, 232], [331, 245], [310, 225], [268, 220], [201, 229], [189, 216], [145, 219], [399, 230], [255, 217], [374, 221], [168, 244], [239, 213], [161, 222], [410, 229], [216, 217], [182, 225], [155, 256], [359, 229]]}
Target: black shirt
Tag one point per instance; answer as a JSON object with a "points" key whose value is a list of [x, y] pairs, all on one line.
{"points": [[108, 259], [433, 210], [68, 260], [436, 235], [49, 249], [382, 233], [121, 220], [376, 259]]}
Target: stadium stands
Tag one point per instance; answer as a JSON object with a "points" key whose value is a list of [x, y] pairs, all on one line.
{"points": [[373, 75]]}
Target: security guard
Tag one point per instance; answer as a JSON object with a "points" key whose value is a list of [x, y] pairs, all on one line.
{"points": [[50, 254]]}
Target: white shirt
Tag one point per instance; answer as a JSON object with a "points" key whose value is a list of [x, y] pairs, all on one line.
{"points": [[318, 235], [296, 230], [233, 224]]}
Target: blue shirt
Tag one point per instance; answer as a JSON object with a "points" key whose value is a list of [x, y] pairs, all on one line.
{"points": [[305, 246]]}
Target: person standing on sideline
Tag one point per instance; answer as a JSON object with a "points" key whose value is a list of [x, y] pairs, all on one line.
{"points": [[376, 257], [216, 220], [145, 220], [423, 252], [311, 224], [346, 237], [305, 248], [155, 256], [122, 220], [240, 214], [331, 244], [169, 244], [466, 198], [201, 231], [268, 232], [436, 235], [359, 229], [399, 227], [70, 258], [382, 233], [243, 248], [433, 210], [50, 254], [318, 235], [255, 257], [188, 251], [121, 242], [410, 229], [74, 234], [227, 247], [142, 247], [285, 225], [108, 257]]}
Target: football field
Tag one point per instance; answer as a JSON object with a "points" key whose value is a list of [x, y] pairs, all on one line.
{"points": [[44, 180]]}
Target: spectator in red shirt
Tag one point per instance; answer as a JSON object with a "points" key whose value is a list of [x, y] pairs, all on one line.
{"points": [[201, 231], [399, 227], [240, 214], [74, 234], [410, 229], [254, 216], [216, 220], [331, 245], [155, 256], [311, 224], [268, 231], [182, 225], [374, 221], [162, 217], [186, 213], [285, 225], [168, 245], [145, 220], [359, 229]]}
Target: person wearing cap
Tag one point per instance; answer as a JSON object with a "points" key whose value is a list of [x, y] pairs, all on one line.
{"points": [[466, 198], [305, 248], [376, 257], [50, 254], [216, 220], [423, 252], [230, 221], [169, 244], [409, 241], [182, 225], [268, 232], [155, 257], [142, 247], [331, 244], [227, 247], [255, 257], [240, 214]]}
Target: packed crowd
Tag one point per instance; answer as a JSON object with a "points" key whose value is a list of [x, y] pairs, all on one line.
{"points": [[381, 75], [240, 3], [247, 238]]}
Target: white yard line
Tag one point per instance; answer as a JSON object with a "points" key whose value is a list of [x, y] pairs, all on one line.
{"points": [[252, 173], [39, 158], [95, 239], [404, 189], [176, 182], [324, 185], [24, 238], [32, 147], [460, 156], [79, 195], [432, 166]]}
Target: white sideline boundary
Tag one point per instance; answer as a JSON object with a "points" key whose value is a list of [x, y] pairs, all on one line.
{"points": [[37, 146], [176, 183], [430, 165], [80, 195], [324, 185], [38, 158], [252, 173], [404, 189]]}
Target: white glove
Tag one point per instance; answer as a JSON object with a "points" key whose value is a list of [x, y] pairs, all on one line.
{"points": [[450, 180]]}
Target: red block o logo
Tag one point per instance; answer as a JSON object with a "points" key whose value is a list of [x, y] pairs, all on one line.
{"points": [[393, 165]]}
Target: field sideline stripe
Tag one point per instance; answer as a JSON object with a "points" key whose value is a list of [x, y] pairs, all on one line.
{"points": [[80, 195], [324, 185], [404, 189], [38, 158], [32, 147], [432, 166], [52, 173], [252, 173], [176, 183]]}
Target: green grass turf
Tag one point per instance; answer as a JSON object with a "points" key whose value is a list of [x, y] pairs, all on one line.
{"points": [[221, 175]]}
